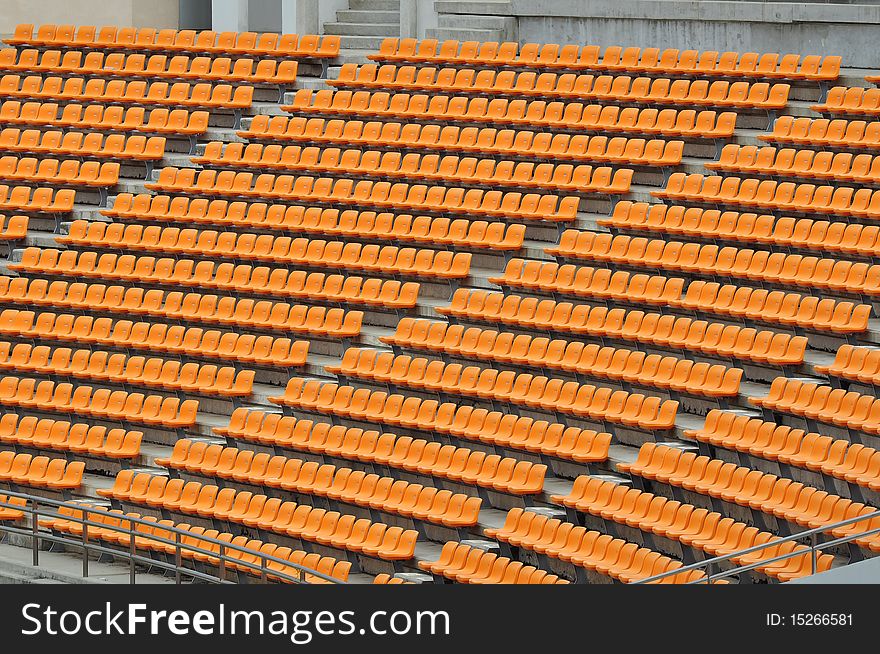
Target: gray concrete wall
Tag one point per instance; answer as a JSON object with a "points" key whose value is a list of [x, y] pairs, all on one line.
{"points": [[264, 15], [195, 14], [133, 13], [848, 30], [327, 12], [863, 572]]}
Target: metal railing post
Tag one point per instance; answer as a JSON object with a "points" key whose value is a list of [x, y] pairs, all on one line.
{"points": [[814, 555], [35, 528], [816, 545], [132, 571], [85, 543], [177, 557], [67, 514], [85, 549]]}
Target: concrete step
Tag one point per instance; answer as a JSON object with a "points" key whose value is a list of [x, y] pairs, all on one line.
{"points": [[351, 56], [484, 7], [463, 34], [371, 43], [16, 566], [458, 21], [374, 5], [368, 16], [363, 29], [310, 83]]}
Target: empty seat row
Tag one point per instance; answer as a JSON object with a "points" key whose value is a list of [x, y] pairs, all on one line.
{"points": [[479, 425], [69, 172], [771, 195], [853, 363], [609, 88], [40, 471], [669, 61], [778, 496], [464, 564], [550, 395], [101, 366], [75, 437], [574, 116], [512, 205], [817, 132], [340, 484], [13, 228], [613, 364], [100, 403], [835, 406], [788, 162], [156, 537], [332, 323], [8, 510], [453, 169], [350, 223], [387, 260], [698, 223], [36, 200], [461, 465], [266, 351], [715, 339], [110, 37], [379, 293], [614, 557], [302, 522], [789, 309], [710, 260], [851, 462], [707, 531], [467, 140], [850, 101], [101, 117], [95, 64], [80, 89], [385, 578], [79, 144], [589, 282]]}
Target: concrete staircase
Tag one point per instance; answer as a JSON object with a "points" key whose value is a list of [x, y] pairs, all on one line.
{"points": [[493, 24], [363, 26]]}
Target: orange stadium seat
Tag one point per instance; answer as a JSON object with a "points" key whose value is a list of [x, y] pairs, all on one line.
{"points": [[710, 260], [634, 367], [244, 43], [686, 123], [41, 472], [465, 170], [469, 312], [637, 411], [77, 438], [620, 89], [263, 350], [453, 138], [574, 57], [441, 231], [691, 526], [304, 523]]}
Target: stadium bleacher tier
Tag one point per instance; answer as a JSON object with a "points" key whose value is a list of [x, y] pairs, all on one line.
{"points": [[479, 292]]}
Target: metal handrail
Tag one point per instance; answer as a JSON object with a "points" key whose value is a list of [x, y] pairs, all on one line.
{"points": [[814, 548], [34, 509]]}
